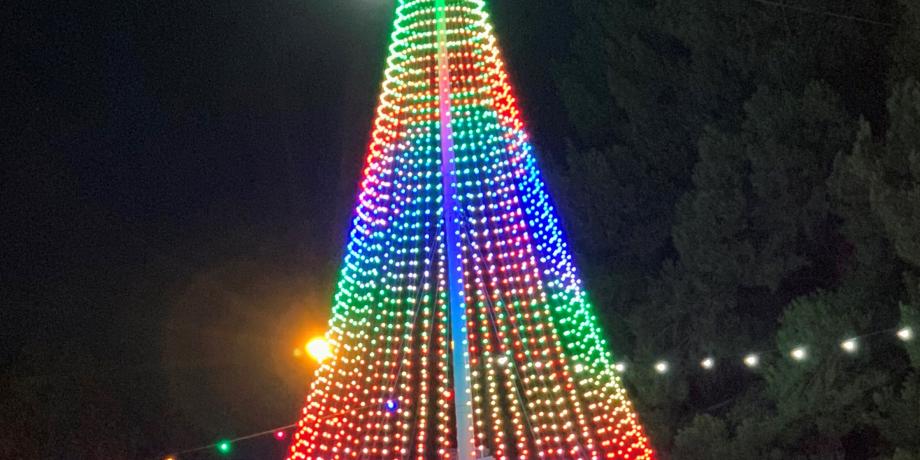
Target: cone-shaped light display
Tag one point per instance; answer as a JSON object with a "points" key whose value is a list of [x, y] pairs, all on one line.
{"points": [[460, 327]]}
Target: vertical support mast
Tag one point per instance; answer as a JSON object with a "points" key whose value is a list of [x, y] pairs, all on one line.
{"points": [[460, 358]]}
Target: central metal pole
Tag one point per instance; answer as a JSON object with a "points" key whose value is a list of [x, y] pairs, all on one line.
{"points": [[459, 346]]}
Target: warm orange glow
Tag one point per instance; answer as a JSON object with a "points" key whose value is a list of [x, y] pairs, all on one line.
{"points": [[319, 349]]}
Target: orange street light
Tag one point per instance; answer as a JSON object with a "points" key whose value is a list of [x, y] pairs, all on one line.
{"points": [[319, 349]]}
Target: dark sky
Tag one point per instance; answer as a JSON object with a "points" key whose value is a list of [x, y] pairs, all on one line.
{"points": [[177, 182]]}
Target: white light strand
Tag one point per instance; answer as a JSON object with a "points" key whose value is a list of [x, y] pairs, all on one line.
{"points": [[800, 353]]}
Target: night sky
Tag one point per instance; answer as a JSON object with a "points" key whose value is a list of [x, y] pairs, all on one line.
{"points": [[177, 184]]}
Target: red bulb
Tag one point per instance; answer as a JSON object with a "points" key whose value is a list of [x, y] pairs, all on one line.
{"points": [[280, 435]]}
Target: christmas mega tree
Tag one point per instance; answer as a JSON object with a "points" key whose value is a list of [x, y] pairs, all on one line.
{"points": [[460, 327]]}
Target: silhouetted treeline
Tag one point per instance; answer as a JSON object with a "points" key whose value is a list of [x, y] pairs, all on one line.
{"points": [[746, 176]]}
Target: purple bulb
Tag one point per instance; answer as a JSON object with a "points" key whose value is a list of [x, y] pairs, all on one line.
{"points": [[392, 406]]}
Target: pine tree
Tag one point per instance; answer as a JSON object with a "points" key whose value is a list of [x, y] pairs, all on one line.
{"points": [[760, 99]]}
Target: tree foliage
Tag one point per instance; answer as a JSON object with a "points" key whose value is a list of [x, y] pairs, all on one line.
{"points": [[746, 176]]}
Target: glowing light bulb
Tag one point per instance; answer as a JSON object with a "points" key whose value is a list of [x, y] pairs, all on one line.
{"points": [[709, 363], [850, 345], [620, 367], [662, 367], [799, 353], [391, 406], [503, 360], [280, 435], [906, 334], [319, 349], [224, 447], [752, 360]]}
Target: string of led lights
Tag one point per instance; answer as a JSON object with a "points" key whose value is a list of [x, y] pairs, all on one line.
{"points": [[225, 446], [459, 318], [800, 353], [850, 346], [504, 360]]}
